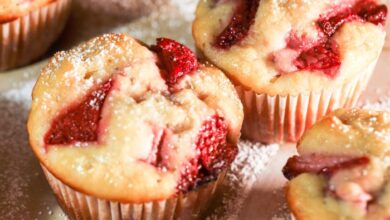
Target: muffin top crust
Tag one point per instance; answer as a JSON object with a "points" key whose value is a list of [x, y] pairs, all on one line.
{"points": [[13, 9], [291, 47], [122, 121], [342, 170]]}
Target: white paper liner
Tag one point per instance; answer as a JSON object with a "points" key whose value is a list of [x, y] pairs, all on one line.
{"points": [[27, 38], [292, 216], [78, 205], [276, 119]]}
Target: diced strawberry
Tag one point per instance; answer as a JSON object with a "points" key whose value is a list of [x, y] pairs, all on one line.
{"points": [[321, 164], [189, 176], [176, 59], [240, 23], [79, 123], [371, 12], [324, 56], [214, 154], [321, 57]]}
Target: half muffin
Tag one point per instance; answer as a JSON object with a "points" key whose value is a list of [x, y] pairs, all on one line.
{"points": [[342, 170]]}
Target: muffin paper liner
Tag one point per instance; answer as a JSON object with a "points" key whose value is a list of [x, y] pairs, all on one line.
{"points": [[278, 118], [78, 205], [27, 38], [292, 216]]}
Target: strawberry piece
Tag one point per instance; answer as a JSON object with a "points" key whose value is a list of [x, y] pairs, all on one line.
{"points": [[239, 25], [79, 123], [189, 176], [214, 154], [349, 164], [365, 11], [371, 12], [325, 56], [176, 59], [321, 57], [321, 164], [330, 25]]}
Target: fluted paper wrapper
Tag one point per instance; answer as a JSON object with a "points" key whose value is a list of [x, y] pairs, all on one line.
{"points": [[78, 205], [277, 119], [27, 38]]}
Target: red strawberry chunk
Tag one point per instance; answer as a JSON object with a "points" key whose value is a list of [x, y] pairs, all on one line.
{"points": [[189, 176], [321, 57], [321, 164], [239, 25], [79, 123], [214, 154], [324, 56], [330, 25], [371, 12], [176, 59]]}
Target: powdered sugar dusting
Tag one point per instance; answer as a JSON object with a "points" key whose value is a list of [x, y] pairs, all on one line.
{"points": [[283, 212], [382, 104], [22, 182], [13, 184], [186, 7], [20, 94], [249, 163]]}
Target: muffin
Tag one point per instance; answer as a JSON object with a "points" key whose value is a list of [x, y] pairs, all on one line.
{"points": [[128, 131], [342, 171], [29, 28], [291, 61], [13, 9]]}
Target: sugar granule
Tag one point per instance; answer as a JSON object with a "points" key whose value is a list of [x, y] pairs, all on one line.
{"points": [[250, 162], [383, 104], [20, 175]]}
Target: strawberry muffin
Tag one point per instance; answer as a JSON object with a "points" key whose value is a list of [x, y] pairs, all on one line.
{"points": [[291, 61], [342, 171], [28, 29], [126, 131], [13, 9]]}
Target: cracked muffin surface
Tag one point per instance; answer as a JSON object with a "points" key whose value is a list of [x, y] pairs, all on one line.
{"points": [[291, 47], [342, 168], [121, 121]]}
